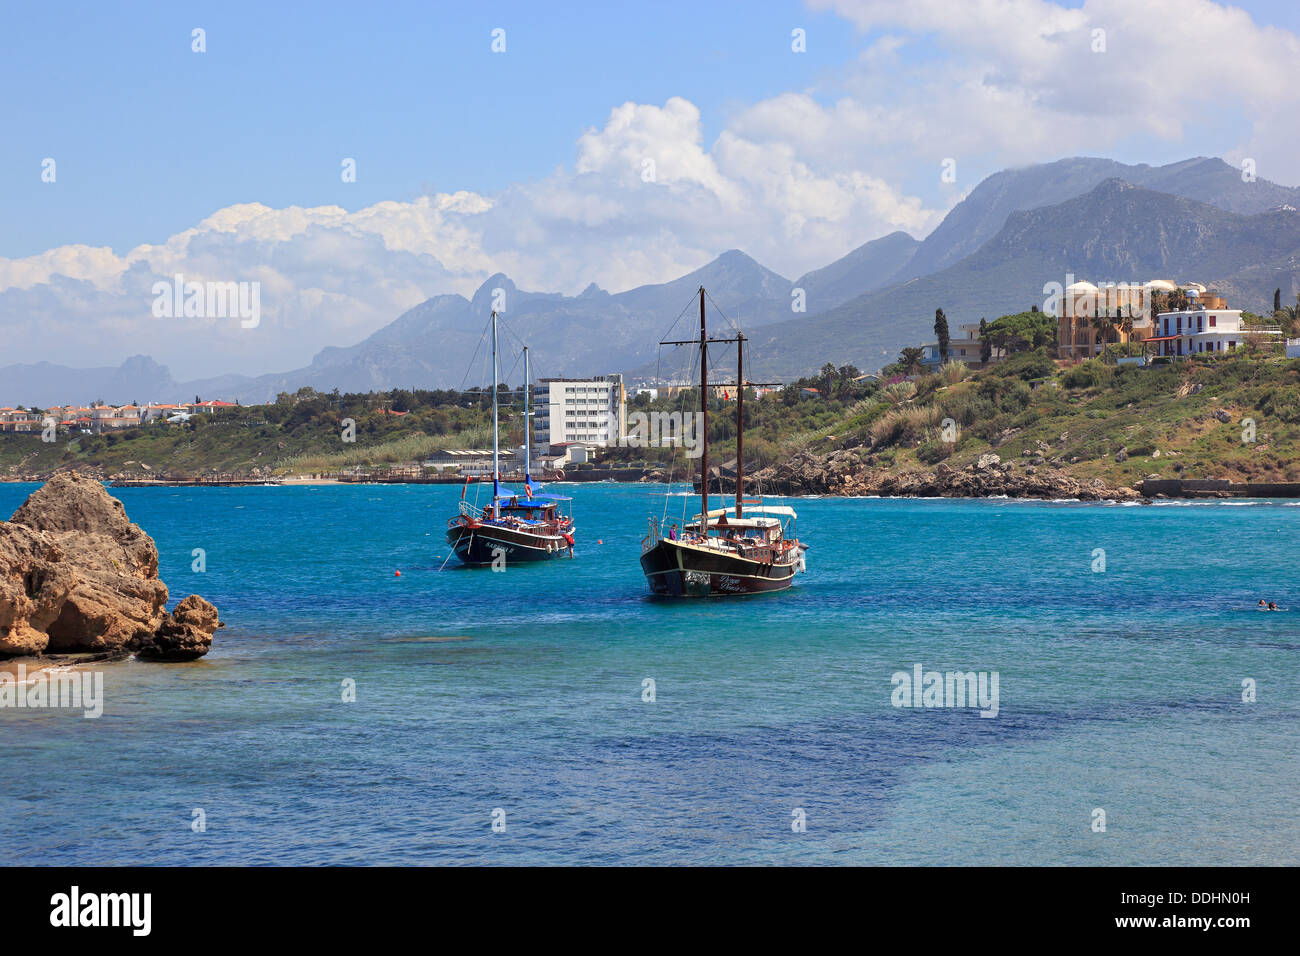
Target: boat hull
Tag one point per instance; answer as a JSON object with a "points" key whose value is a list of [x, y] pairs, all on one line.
{"points": [[678, 569], [484, 544]]}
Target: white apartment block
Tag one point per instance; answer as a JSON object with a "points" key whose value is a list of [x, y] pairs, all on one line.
{"points": [[592, 411]]}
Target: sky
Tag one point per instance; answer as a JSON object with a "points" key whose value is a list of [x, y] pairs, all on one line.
{"points": [[620, 144]]}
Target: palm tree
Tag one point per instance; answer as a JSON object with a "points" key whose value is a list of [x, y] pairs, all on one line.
{"points": [[1126, 327], [1104, 325], [1288, 317]]}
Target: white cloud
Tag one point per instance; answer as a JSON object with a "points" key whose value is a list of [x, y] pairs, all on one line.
{"points": [[331, 277]]}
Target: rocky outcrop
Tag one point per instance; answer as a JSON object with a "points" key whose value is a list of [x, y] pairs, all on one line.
{"points": [[846, 473], [184, 635], [76, 575]]}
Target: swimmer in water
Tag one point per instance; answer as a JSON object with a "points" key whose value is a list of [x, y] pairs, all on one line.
{"points": [[1262, 605], [1272, 606]]}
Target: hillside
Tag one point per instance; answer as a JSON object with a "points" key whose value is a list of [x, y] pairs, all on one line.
{"points": [[1093, 421]]}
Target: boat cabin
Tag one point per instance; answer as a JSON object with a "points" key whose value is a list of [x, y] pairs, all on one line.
{"points": [[543, 509]]}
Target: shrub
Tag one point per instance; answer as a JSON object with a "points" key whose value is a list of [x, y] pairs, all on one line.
{"points": [[950, 373], [1026, 366], [1089, 374], [899, 391]]}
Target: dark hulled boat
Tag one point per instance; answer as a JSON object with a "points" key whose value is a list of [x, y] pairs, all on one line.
{"points": [[727, 550], [512, 528]]}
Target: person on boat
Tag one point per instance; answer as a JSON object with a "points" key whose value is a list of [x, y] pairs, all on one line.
{"points": [[672, 531]]}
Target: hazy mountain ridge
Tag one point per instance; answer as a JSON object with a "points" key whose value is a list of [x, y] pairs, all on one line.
{"points": [[979, 216], [1118, 232], [994, 250]]}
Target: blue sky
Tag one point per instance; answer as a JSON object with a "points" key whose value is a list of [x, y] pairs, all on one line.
{"points": [[225, 165], [150, 137]]}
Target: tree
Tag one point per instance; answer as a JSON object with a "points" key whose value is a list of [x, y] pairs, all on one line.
{"points": [[1105, 325], [1022, 331], [909, 360], [986, 347], [1288, 317], [1277, 300], [941, 332], [1126, 326]]}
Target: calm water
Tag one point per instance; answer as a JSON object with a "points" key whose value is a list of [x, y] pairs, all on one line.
{"points": [[1120, 690]]}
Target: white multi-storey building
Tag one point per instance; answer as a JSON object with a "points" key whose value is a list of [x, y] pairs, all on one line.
{"points": [[592, 411], [1199, 330]]}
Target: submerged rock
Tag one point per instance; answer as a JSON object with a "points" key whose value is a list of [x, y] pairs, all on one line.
{"points": [[77, 575]]}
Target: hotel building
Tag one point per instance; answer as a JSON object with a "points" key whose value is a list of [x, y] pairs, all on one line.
{"points": [[591, 411]]}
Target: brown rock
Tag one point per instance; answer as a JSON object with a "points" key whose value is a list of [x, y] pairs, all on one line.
{"points": [[184, 635], [77, 575]]}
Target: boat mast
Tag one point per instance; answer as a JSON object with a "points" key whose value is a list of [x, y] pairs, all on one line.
{"points": [[740, 422], [704, 421], [496, 441], [528, 425]]}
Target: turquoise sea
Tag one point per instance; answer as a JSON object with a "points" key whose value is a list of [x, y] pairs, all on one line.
{"points": [[523, 692]]}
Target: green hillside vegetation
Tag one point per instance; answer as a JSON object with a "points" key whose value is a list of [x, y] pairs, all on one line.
{"points": [[299, 434], [1093, 420]]}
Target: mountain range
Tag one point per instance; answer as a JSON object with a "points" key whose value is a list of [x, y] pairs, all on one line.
{"points": [[1195, 220]]}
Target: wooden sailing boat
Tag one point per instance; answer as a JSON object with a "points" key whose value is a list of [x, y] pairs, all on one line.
{"points": [[513, 527], [723, 551]]}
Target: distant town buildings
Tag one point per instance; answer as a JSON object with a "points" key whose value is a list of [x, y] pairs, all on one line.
{"points": [[94, 419]]}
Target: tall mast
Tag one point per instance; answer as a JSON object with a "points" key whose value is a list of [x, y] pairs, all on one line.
{"points": [[496, 441], [528, 424], [740, 422], [704, 420]]}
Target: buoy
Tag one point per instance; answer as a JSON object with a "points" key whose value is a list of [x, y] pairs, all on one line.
{"points": [[397, 574], [598, 541]]}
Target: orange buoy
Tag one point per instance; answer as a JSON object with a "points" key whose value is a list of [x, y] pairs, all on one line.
{"points": [[397, 574], [598, 541]]}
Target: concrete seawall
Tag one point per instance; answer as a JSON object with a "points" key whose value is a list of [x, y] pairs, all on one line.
{"points": [[1218, 488]]}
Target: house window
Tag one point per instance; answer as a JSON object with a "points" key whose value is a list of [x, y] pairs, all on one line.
{"points": [[1231, 344], [1199, 320], [1212, 322]]}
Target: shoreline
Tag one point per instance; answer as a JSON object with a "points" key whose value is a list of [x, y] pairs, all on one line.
{"points": [[824, 479]]}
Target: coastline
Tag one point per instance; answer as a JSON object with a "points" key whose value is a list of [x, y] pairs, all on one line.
{"points": [[829, 476]]}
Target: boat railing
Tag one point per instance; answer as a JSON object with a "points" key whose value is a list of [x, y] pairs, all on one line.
{"points": [[469, 510], [651, 539]]}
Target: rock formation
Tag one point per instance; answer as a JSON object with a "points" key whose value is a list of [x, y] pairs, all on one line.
{"points": [[845, 473], [76, 575]]}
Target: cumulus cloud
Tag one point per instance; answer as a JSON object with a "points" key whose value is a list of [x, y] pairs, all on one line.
{"points": [[1007, 82], [645, 200]]}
